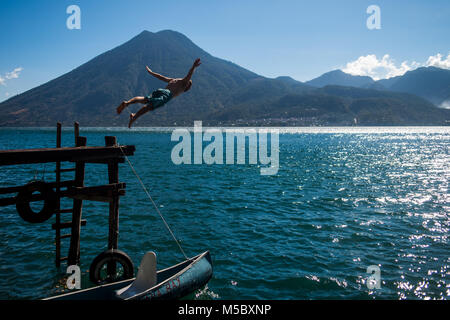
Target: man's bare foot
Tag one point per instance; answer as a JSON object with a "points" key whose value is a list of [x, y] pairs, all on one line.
{"points": [[122, 106], [131, 120]]}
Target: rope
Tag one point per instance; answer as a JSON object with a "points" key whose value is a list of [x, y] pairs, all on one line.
{"points": [[154, 204], [36, 171]]}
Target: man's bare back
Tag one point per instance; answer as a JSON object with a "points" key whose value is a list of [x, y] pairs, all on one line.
{"points": [[159, 97], [176, 86]]}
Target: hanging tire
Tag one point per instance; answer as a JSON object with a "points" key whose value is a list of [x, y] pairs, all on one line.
{"points": [[23, 200], [98, 271]]}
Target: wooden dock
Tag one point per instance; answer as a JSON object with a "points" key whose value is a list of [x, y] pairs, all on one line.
{"points": [[52, 192]]}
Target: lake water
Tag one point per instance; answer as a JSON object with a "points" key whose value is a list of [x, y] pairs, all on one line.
{"points": [[343, 199]]}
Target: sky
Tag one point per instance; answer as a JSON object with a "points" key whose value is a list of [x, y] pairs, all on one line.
{"points": [[300, 39]]}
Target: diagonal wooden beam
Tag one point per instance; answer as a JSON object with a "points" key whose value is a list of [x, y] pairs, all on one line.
{"points": [[105, 193]]}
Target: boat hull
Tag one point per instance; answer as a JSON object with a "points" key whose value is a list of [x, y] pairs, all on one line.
{"points": [[172, 283]]}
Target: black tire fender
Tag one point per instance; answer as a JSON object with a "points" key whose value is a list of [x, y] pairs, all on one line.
{"points": [[23, 202], [111, 255]]}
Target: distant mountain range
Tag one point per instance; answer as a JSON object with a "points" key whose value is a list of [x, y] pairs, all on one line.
{"points": [[430, 83], [340, 78], [224, 93]]}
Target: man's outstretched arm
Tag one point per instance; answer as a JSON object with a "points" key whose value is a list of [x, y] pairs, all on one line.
{"points": [[191, 71], [158, 76]]}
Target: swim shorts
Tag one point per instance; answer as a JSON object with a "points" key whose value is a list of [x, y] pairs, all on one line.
{"points": [[159, 97]]}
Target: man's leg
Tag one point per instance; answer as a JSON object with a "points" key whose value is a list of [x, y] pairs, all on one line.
{"points": [[125, 104], [143, 110]]}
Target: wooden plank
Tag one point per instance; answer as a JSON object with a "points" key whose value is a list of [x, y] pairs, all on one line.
{"points": [[97, 189], [13, 200], [7, 201], [16, 189], [95, 198], [83, 153], [5, 190], [106, 196], [105, 193], [65, 225], [34, 198]]}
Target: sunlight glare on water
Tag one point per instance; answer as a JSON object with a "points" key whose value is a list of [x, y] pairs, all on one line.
{"points": [[342, 200]]}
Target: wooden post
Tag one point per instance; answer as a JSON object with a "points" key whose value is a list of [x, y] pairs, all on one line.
{"points": [[76, 131], [74, 251], [113, 177], [58, 200]]}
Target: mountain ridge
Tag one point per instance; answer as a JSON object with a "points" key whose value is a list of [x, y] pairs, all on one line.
{"points": [[339, 77], [223, 93], [431, 83]]}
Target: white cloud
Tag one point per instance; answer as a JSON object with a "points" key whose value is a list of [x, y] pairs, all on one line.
{"points": [[13, 74], [10, 75], [445, 104], [386, 67], [436, 61], [376, 68]]}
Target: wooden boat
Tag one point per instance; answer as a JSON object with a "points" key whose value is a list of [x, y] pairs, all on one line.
{"points": [[170, 283]]}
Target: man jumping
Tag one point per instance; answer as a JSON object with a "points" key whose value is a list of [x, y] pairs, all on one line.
{"points": [[159, 97]]}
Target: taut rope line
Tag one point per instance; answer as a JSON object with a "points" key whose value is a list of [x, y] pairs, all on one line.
{"points": [[154, 204]]}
